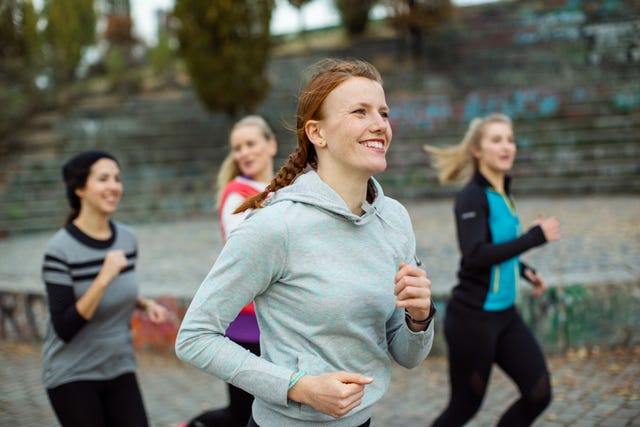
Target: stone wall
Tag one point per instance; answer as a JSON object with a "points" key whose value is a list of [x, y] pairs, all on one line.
{"points": [[569, 317]]}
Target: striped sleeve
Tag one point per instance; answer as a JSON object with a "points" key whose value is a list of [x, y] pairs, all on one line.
{"points": [[65, 318]]}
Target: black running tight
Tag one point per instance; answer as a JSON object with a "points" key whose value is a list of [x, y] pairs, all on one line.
{"points": [[477, 340], [239, 410], [105, 403]]}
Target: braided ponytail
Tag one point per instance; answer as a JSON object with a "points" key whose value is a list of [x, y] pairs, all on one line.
{"points": [[294, 166]]}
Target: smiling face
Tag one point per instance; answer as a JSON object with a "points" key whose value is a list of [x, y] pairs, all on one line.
{"points": [[353, 134], [102, 192], [253, 152], [497, 149]]}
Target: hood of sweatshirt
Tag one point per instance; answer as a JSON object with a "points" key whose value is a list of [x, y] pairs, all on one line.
{"points": [[309, 189]]}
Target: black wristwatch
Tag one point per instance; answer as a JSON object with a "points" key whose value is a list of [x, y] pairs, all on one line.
{"points": [[432, 312]]}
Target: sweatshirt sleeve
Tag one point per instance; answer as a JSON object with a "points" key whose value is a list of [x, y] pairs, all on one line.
{"points": [[409, 349], [65, 319], [471, 212], [251, 260]]}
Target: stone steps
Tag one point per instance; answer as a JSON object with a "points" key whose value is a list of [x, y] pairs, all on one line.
{"points": [[170, 180], [170, 147]]}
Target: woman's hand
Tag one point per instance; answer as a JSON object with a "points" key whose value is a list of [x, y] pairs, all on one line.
{"points": [[539, 285], [157, 313], [550, 227], [114, 263], [413, 293], [334, 394]]}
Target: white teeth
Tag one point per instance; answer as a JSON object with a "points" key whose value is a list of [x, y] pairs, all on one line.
{"points": [[374, 144]]}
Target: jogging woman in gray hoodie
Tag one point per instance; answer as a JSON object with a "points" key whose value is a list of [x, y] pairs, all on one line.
{"points": [[331, 266]]}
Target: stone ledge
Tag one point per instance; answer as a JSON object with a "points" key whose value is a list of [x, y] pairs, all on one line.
{"points": [[566, 317]]}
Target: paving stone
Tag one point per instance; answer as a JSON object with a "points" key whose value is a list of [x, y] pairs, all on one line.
{"points": [[592, 386], [174, 392]]}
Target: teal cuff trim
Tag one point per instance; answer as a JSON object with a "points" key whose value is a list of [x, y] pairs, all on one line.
{"points": [[294, 379]]}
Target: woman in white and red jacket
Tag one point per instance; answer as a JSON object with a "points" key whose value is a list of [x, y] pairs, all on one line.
{"points": [[245, 172]]}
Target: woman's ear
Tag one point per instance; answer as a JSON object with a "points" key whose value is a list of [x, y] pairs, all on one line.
{"points": [[476, 151], [314, 133], [273, 147], [79, 192]]}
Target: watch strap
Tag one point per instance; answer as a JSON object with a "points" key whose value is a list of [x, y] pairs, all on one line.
{"points": [[432, 313]]}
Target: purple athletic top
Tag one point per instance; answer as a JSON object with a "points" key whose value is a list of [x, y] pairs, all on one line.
{"points": [[244, 328]]}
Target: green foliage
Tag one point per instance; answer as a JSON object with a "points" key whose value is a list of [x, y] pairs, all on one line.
{"points": [[225, 45], [116, 64], [429, 27], [86, 16], [20, 61], [161, 57], [8, 34], [70, 28], [354, 14], [30, 37]]}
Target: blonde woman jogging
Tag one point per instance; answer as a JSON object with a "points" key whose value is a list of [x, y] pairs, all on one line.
{"points": [[482, 325], [329, 261], [246, 171]]}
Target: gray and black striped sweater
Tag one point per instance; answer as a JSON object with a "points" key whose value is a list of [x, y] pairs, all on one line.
{"points": [[101, 348]]}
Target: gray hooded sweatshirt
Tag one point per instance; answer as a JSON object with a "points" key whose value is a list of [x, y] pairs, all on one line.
{"points": [[322, 279]]}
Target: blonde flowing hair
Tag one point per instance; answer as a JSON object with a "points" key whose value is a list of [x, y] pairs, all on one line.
{"points": [[331, 73], [457, 162], [229, 168]]}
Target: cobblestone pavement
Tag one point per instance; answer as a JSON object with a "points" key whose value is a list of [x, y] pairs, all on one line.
{"points": [[597, 388]]}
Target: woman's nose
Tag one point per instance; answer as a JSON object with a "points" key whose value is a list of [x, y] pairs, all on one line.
{"points": [[115, 185], [380, 123]]}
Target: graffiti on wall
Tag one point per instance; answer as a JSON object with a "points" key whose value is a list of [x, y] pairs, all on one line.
{"points": [[529, 22], [626, 100], [558, 25], [519, 104], [614, 41], [606, 28], [428, 113], [433, 112], [23, 318]]}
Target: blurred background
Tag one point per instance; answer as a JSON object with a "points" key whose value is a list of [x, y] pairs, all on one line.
{"points": [[159, 83]]}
